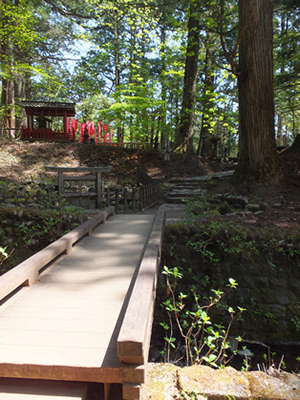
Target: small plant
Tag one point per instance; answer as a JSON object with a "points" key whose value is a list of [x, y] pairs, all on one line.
{"points": [[296, 322], [246, 366], [49, 224], [203, 341], [271, 318], [4, 255]]}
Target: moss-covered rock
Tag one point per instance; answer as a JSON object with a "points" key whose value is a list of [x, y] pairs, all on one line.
{"points": [[166, 382]]}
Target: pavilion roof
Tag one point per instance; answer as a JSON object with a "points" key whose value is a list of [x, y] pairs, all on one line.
{"points": [[50, 108]]}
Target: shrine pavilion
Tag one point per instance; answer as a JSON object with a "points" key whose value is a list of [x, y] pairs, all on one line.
{"points": [[48, 121]]}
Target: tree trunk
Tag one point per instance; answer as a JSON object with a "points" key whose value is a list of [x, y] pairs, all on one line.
{"points": [[117, 72], [184, 137], [163, 86], [208, 89], [258, 158]]}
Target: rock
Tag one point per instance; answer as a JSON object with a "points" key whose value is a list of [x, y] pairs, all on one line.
{"points": [[240, 213], [237, 200], [161, 382], [17, 231], [214, 383], [167, 381], [9, 231], [276, 205], [267, 387], [252, 207], [212, 212], [20, 214], [263, 206]]}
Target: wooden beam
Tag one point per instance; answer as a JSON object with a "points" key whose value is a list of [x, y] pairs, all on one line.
{"points": [[79, 169], [134, 337]]}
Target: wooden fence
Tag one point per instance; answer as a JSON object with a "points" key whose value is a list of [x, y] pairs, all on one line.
{"points": [[126, 199], [46, 134], [133, 199]]}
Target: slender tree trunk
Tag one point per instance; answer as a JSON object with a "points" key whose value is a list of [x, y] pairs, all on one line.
{"points": [[7, 120], [117, 70], [184, 137], [132, 62], [163, 86], [279, 130], [208, 89], [258, 158]]}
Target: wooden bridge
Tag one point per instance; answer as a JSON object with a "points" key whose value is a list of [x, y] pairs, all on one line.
{"points": [[78, 315]]}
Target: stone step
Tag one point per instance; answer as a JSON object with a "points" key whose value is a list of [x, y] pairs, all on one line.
{"points": [[174, 200], [204, 178], [186, 186], [189, 188], [29, 389], [183, 192]]}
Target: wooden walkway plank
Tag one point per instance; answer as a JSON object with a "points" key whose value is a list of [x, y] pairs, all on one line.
{"points": [[65, 326]]}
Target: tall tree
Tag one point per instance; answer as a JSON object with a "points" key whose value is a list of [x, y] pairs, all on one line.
{"points": [[184, 137], [16, 20], [287, 70], [258, 158]]}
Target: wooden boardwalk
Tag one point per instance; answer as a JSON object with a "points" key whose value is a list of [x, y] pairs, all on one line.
{"points": [[65, 326]]}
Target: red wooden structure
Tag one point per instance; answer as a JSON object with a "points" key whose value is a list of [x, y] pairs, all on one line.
{"points": [[40, 119]]}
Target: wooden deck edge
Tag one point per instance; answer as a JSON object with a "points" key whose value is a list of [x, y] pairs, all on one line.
{"points": [[27, 272], [42, 389], [135, 333], [66, 373]]}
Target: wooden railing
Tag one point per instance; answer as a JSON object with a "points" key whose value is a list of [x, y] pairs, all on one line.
{"points": [[131, 199], [27, 273], [45, 134], [66, 174], [48, 134], [134, 337]]}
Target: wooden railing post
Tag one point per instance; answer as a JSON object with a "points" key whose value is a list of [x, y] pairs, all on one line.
{"points": [[117, 201], [141, 198], [98, 190], [108, 197], [133, 199], [125, 199]]}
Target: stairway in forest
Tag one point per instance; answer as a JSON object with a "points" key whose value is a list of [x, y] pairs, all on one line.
{"points": [[181, 189]]}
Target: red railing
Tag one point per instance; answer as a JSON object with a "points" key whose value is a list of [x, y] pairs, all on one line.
{"points": [[46, 134]]}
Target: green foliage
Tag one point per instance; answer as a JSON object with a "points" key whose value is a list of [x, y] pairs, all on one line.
{"points": [[132, 58], [216, 239], [204, 341], [3, 254], [296, 322], [287, 71], [49, 224]]}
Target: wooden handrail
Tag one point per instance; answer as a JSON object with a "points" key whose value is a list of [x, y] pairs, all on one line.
{"points": [[135, 333], [79, 169]]}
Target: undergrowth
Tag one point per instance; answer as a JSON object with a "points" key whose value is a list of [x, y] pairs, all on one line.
{"points": [[197, 316]]}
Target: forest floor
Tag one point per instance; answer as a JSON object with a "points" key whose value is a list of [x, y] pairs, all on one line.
{"points": [[21, 161], [24, 161]]}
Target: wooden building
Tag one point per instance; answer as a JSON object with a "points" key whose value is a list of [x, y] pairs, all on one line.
{"points": [[48, 121]]}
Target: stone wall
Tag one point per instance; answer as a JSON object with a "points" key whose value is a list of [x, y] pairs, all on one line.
{"points": [[268, 283]]}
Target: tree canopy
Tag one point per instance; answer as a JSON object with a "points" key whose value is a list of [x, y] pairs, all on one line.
{"points": [[154, 69]]}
